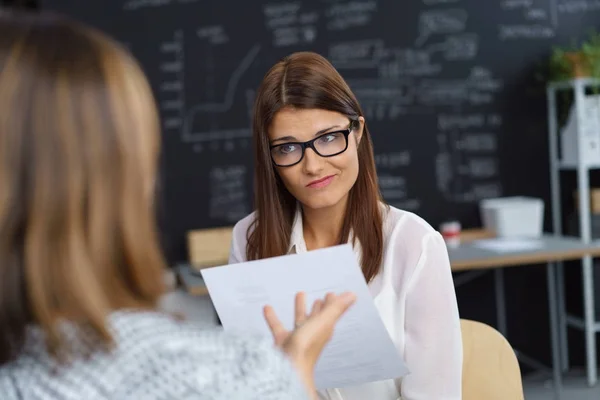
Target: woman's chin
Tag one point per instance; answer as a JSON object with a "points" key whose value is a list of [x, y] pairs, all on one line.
{"points": [[319, 202]]}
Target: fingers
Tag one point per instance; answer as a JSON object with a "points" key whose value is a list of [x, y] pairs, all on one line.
{"points": [[316, 308], [300, 308], [273, 321], [329, 298], [307, 342], [336, 306], [326, 313]]}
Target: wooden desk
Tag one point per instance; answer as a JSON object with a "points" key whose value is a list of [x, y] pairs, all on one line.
{"points": [[469, 257], [553, 248]]}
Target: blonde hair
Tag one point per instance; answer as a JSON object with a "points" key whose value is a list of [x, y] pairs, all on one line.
{"points": [[79, 142]]}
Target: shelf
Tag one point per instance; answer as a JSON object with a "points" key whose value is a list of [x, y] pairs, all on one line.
{"points": [[569, 84], [579, 88], [579, 323], [573, 167]]}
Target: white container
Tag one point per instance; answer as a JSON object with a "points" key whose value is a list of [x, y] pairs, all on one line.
{"points": [[513, 216]]}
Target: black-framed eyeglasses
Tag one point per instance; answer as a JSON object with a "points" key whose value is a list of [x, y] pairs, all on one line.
{"points": [[326, 145]]}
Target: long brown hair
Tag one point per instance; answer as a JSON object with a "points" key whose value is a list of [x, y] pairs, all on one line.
{"points": [[306, 80], [79, 142]]}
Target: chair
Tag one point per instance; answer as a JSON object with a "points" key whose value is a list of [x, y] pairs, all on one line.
{"points": [[206, 248], [209, 247], [490, 367]]}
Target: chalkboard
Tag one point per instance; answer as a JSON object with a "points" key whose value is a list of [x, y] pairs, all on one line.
{"points": [[446, 85]]}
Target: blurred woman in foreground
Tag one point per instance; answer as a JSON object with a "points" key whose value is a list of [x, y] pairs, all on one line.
{"points": [[80, 266]]}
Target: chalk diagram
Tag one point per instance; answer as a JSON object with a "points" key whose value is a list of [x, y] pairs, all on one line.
{"points": [[466, 164], [195, 123]]}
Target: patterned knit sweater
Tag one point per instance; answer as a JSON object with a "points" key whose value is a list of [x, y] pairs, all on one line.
{"points": [[155, 358]]}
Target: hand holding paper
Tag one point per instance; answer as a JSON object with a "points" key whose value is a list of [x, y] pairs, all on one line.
{"points": [[305, 343], [360, 350]]}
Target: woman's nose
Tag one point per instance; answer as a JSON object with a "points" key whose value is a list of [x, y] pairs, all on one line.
{"points": [[312, 163]]}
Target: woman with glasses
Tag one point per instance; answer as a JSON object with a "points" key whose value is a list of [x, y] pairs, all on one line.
{"points": [[80, 267], [316, 186]]}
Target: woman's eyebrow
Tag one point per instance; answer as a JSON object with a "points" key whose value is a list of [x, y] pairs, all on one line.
{"points": [[327, 129], [287, 138], [284, 138]]}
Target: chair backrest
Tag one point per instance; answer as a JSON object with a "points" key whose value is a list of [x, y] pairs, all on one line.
{"points": [[490, 367], [209, 247]]}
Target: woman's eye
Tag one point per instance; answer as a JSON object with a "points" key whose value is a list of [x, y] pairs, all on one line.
{"points": [[287, 148], [329, 138]]}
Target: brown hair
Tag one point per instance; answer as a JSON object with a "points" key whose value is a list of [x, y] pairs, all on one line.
{"points": [[306, 80], [79, 141]]}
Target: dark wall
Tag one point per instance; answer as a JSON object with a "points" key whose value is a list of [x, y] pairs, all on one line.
{"points": [[447, 87], [28, 4]]}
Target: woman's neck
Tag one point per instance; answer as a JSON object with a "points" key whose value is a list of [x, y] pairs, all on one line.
{"points": [[322, 227]]}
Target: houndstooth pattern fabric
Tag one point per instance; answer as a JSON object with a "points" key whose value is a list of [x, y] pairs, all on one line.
{"points": [[155, 358]]}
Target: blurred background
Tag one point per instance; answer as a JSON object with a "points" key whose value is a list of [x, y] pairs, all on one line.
{"points": [[454, 93]]}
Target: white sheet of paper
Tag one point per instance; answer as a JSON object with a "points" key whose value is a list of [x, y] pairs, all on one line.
{"points": [[501, 245], [360, 350]]}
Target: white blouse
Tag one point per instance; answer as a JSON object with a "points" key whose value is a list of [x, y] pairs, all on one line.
{"points": [[414, 293]]}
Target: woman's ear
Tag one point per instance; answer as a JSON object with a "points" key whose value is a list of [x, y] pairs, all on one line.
{"points": [[360, 129]]}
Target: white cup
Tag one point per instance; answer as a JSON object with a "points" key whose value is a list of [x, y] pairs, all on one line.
{"points": [[450, 231]]}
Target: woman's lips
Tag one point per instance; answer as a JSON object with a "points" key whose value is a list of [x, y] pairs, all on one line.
{"points": [[321, 183]]}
